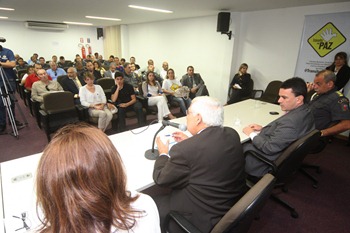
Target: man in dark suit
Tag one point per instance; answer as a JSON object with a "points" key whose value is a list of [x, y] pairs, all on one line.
{"points": [[206, 171], [195, 82], [271, 140], [72, 83]]}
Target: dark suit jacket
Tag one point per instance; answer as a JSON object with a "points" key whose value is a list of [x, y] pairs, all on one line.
{"points": [[206, 174], [187, 81], [69, 85], [277, 136]]}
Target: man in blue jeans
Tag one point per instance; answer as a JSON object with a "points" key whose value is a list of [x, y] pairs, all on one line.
{"points": [[7, 62], [124, 98]]}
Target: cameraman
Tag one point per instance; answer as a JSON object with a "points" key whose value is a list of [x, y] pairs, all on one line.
{"points": [[8, 62]]}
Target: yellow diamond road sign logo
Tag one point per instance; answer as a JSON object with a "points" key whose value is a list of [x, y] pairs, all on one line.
{"points": [[326, 39]]}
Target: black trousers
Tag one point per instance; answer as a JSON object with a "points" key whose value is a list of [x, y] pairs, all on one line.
{"points": [[137, 108]]}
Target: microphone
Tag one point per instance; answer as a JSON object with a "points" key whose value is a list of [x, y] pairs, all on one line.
{"points": [[2, 39], [181, 127]]}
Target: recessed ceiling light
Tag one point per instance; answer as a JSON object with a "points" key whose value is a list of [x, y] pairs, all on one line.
{"points": [[150, 9], [3, 17], [78, 23], [103, 18], [6, 9]]}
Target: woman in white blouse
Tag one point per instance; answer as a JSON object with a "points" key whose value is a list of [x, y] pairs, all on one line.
{"points": [[170, 85], [93, 97], [153, 91]]}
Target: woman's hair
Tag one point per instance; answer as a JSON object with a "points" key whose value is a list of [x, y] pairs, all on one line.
{"points": [[167, 72], [147, 79], [81, 184], [341, 55], [243, 65], [210, 109], [89, 75]]}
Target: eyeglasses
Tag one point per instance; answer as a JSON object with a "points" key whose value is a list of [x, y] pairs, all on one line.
{"points": [[47, 88], [55, 73]]}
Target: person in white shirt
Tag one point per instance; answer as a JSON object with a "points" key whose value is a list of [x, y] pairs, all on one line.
{"points": [[93, 97], [170, 85], [153, 92], [81, 187]]}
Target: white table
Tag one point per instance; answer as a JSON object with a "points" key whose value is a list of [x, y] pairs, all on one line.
{"points": [[18, 175]]}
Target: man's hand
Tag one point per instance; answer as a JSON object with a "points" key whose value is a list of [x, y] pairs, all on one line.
{"points": [[179, 136], [194, 90], [162, 148], [252, 128], [123, 105], [309, 86]]}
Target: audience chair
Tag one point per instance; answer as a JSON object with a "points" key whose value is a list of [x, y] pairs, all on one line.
{"points": [[239, 218], [323, 142], [106, 84], [251, 93], [271, 93], [60, 110], [60, 78], [289, 162]]}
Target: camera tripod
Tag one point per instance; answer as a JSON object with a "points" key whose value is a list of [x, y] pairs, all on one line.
{"points": [[7, 94]]}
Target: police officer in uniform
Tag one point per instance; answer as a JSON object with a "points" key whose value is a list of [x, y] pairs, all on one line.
{"points": [[329, 106], [8, 63]]}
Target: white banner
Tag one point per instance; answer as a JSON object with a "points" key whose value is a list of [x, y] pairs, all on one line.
{"points": [[323, 36]]}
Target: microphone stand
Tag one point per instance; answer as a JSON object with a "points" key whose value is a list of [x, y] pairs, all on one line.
{"points": [[153, 154]]}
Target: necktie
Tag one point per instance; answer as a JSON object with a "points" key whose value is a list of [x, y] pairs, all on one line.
{"points": [[76, 82]]}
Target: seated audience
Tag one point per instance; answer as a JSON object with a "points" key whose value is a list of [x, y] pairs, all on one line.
{"points": [[170, 85], [163, 72], [43, 63], [90, 68], [130, 77], [21, 64], [152, 90], [271, 140], [99, 68], [341, 69], [62, 63], [30, 70], [240, 85], [123, 96], [81, 187], [111, 72], [73, 83], [205, 172], [330, 107], [195, 82], [80, 69], [44, 86], [93, 97], [33, 77], [55, 71]]}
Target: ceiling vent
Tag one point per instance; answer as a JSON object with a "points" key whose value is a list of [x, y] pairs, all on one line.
{"points": [[46, 25]]}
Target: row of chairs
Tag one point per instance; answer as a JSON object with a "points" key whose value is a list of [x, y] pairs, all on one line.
{"points": [[241, 215]]}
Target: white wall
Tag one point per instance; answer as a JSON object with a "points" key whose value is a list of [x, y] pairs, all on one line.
{"points": [[182, 43], [25, 42], [270, 40], [267, 40]]}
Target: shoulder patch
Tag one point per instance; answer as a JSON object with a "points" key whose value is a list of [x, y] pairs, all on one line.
{"points": [[339, 94], [343, 100]]}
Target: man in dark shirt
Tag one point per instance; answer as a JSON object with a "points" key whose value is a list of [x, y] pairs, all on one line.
{"points": [[329, 106], [123, 96]]}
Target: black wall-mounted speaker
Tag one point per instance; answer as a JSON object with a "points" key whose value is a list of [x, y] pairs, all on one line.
{"points": [[99, 33], [223, 22]]}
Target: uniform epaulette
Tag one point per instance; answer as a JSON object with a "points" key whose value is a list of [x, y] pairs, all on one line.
{"points": [[339, 93]]}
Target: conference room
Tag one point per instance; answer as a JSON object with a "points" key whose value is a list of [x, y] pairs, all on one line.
{"points": [[267, 39]]}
